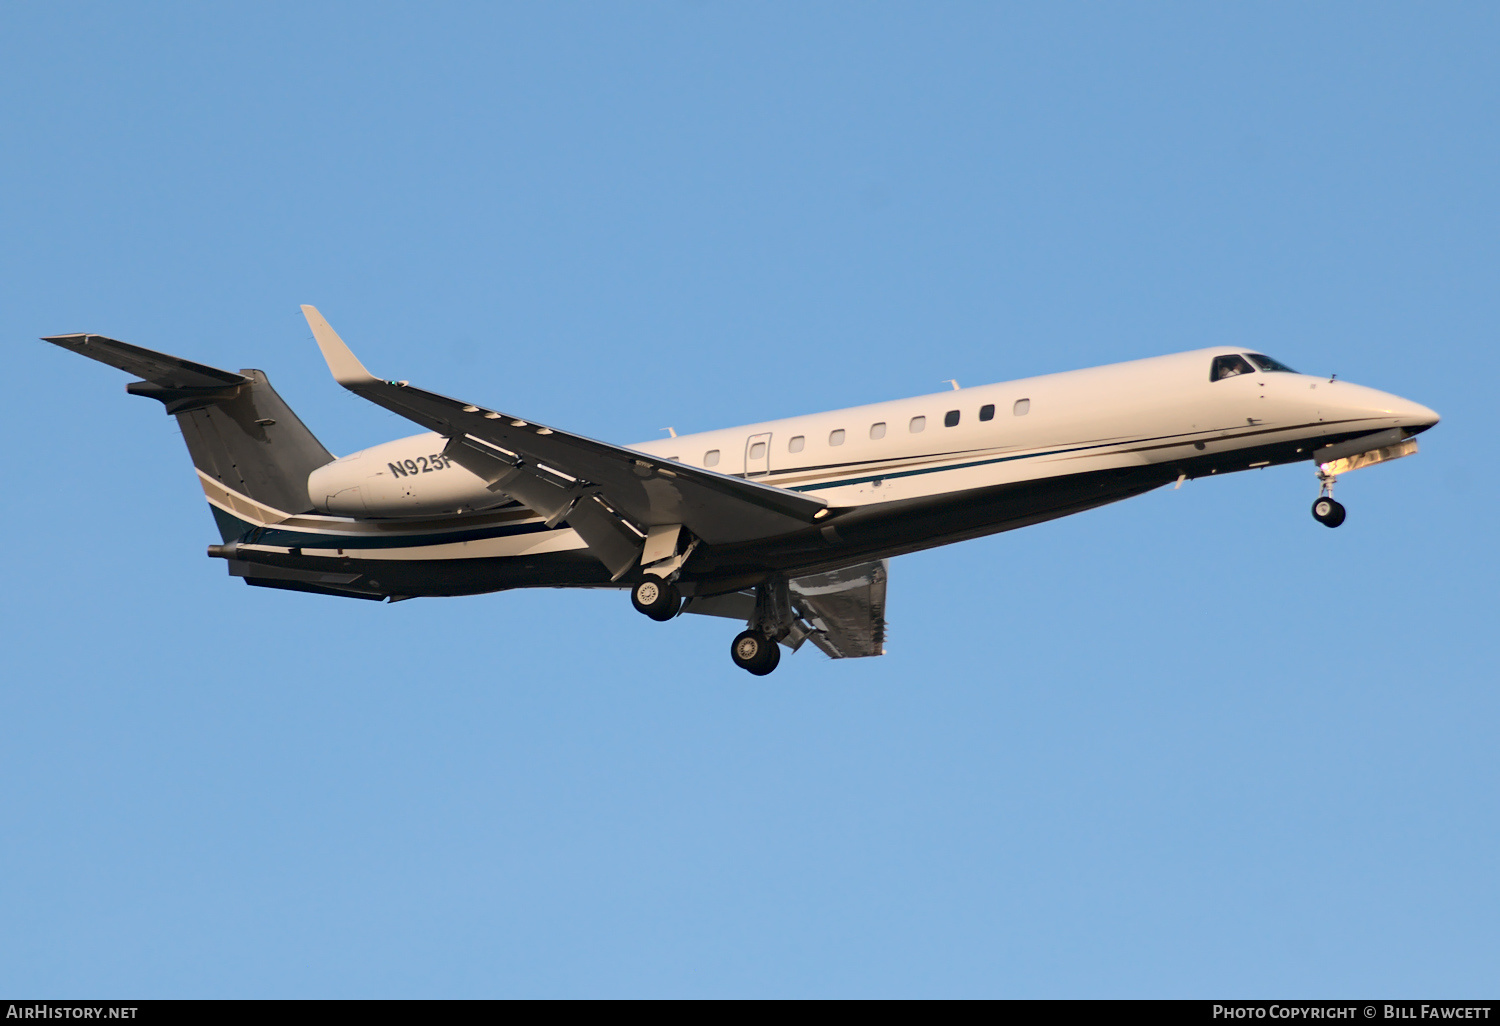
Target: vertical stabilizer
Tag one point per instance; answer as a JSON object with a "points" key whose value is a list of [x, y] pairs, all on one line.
{"points": [[252, 453]]}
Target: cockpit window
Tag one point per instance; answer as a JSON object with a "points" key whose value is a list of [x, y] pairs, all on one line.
{"points": [[1265, 363], [1229, 366]]}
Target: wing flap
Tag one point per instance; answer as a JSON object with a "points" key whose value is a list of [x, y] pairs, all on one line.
{"points": [[846, 609]]}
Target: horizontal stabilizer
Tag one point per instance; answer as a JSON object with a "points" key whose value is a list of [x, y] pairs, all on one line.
{"points": [[157, 368]]}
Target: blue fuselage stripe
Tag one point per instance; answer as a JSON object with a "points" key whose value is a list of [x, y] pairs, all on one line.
{"points": [[842, 482]]}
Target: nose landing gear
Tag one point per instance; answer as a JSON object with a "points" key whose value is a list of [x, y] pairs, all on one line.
{"points": [[1327, 511]]}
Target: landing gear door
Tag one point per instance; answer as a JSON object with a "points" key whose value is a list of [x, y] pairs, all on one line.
{"points": [[758, 455]]}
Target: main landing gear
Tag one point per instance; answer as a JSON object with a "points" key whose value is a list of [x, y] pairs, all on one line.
{"points": [[1327, 511], [657, 598], [757, 650]]}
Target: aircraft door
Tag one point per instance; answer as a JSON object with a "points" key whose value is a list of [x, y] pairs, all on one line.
{"points": [[758, 455]]}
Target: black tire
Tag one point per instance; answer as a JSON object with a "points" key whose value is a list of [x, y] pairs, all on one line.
{"points": [[1328, 512], [753, 651], [656, 598]]}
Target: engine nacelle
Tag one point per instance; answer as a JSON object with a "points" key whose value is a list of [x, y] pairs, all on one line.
{"points": [[404, 478]]}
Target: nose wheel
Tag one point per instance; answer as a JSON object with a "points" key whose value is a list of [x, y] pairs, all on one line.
{"points": [[755, 652], [657, 598], [1328, 512]]}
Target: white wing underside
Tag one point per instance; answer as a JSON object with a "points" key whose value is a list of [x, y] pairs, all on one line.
{"points": [[843, 612]]}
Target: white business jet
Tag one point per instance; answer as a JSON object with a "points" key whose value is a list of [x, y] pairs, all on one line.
{"points": [[788, 525]]}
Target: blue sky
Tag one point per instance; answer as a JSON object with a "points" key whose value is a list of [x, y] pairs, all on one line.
{"points": [[1190, 745]]}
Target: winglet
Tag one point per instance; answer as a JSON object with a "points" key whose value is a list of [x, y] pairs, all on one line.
{"points": [[346, 368]]}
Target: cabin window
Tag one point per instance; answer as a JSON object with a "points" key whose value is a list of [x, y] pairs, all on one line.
{"points": [[987, 411], [836, 437], [918, 424], [796, 443], [1229, 367], [711, 458], [1022, 407], [877, 430], [758, 451], [950, 419], [1265, 363]]}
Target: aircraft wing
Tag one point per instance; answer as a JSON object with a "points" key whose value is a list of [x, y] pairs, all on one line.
{"points": [[842, 613], [609, 494]]}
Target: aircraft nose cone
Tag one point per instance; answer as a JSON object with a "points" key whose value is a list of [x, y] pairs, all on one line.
{"points": [[1393, 409], [1416, 416]]}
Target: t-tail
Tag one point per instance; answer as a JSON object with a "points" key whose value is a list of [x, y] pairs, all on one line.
{"points": [[252, 453]]}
